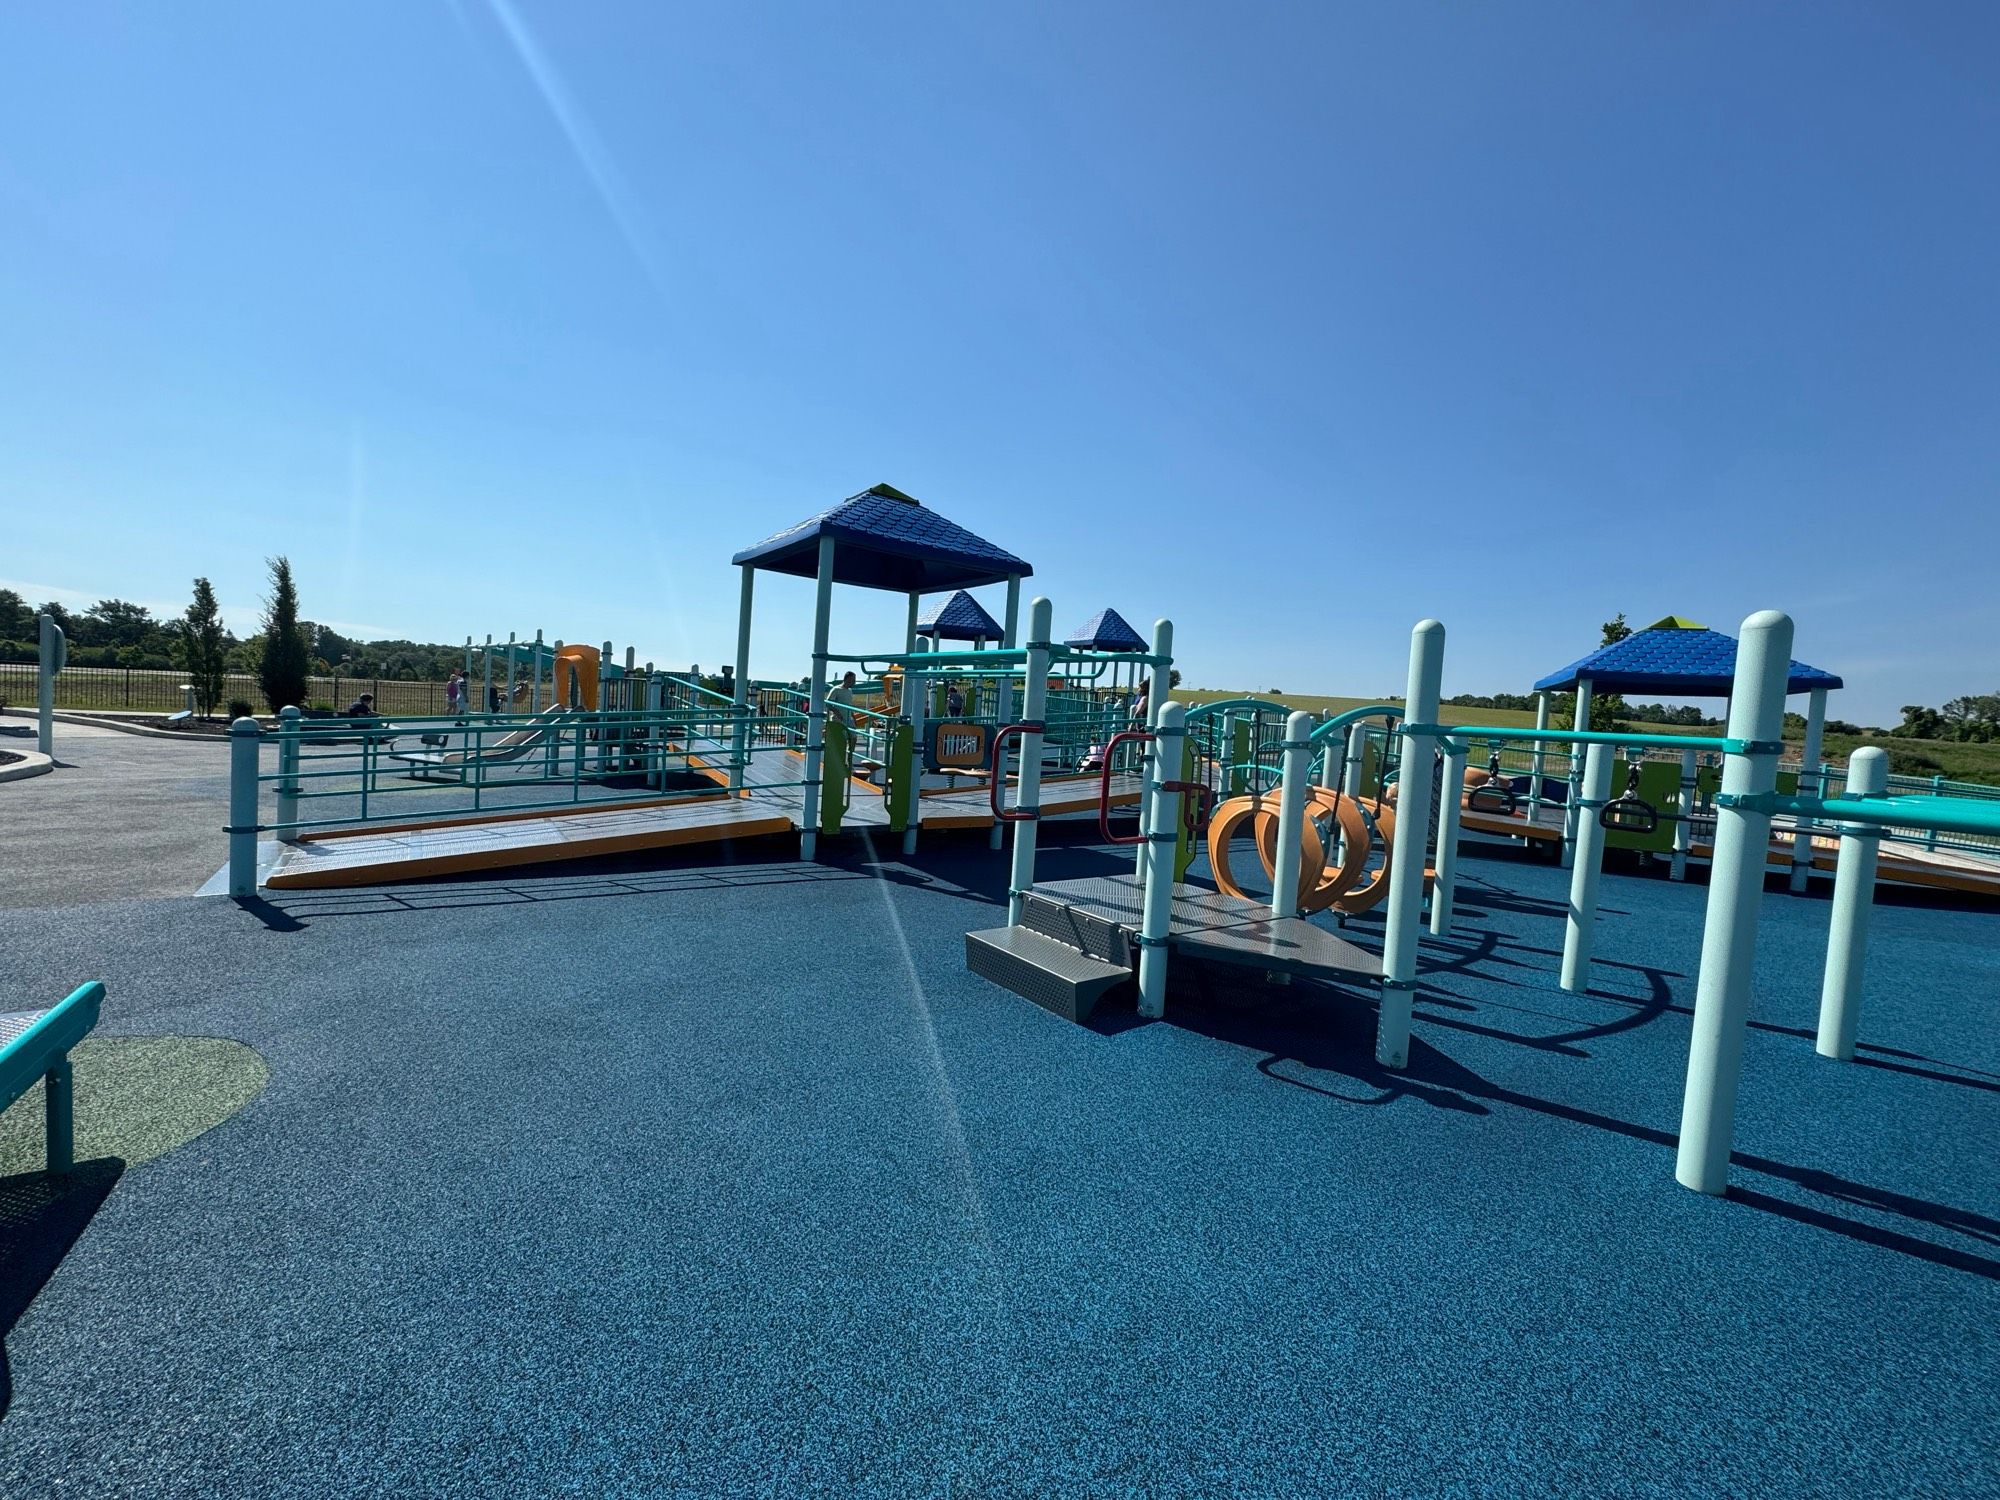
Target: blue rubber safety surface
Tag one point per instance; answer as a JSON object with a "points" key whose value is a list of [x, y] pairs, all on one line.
{"points": [[729, 1179]]}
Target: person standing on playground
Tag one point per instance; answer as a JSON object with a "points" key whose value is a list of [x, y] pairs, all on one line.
{"points": [[454, 692], [840, 700], [954, 700]]}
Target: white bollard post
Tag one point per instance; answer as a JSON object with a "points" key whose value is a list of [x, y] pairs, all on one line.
{"points": [[1735, 888], [1581, 922], [1296, 769], [1156, 702], [1684, 829], [288, 773], [1853, 898], [1162, 829], [1406, 874], [1449, 808], [52, 651], [245, 736], [1570, 814], [1028, 789]]}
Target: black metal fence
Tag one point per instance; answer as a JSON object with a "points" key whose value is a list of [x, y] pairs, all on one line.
{"points": [[138, 690]]}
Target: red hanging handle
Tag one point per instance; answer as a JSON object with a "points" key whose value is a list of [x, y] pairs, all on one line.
{"points": [[997, 781], [1104, 786]]}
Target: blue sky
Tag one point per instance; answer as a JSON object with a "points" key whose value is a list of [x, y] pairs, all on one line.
{"points": [[1294, 323]]}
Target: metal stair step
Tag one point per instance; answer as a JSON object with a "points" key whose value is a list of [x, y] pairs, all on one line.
{"points": [[1036, 967]]}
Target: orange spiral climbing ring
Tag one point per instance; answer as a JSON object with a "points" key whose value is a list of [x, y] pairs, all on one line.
{"points": [[1331, 821]]}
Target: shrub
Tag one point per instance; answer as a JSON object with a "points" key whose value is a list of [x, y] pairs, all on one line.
{"points": [[239, 708]]}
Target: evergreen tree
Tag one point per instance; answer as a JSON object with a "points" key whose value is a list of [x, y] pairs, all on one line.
{"points": [[204, 647], [281, 667]]}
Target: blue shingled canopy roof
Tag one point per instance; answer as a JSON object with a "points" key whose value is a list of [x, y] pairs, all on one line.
{"points": [[959, 618], [885, 539], [1106, 631], [1674, 657]]}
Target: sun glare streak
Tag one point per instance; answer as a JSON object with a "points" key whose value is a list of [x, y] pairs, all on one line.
{"points": [[947, 1095], [584, 141]]}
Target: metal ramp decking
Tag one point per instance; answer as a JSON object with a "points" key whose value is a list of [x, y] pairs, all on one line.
{"points": [[773, 802], [1078, 941]]}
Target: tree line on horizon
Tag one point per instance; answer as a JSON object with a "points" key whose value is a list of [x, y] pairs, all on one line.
{"points": [[284, 654]]}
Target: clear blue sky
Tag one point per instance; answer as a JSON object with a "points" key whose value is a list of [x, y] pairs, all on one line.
{"points": [[1295, 323]]}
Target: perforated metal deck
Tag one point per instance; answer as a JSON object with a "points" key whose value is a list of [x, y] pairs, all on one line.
{"points": [[1208, 924]]}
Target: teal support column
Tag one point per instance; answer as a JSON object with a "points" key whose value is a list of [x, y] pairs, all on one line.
{"points": [[916, 707], [1156, 702], [1684, 810], [1735, 888], [288, 773], [1162, 827], [1009, 641], [1028, 789], [245, 737], [1449, 798], [1811, 784], [1853, 898], [1540, 761], [1583, 695], [1579, 930], [739, 755], [816, 702], [1295, 773], [1406, 875], [59, 1116]]}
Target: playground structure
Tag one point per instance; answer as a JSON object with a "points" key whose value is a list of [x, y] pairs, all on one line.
{"points": [[1069, 944], [589, 757]]}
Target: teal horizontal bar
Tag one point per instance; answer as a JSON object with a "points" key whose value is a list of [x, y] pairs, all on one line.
{"points": [[1581, 737], [1945, 814]]}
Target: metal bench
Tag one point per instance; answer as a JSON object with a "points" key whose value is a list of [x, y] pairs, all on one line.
{"points": [[35, 1044]]}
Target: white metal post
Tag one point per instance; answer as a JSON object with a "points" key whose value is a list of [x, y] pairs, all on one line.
{"points": [[510, 671], [1162, 830], [1156, 702], [535, 701], [1735, 888], [1005, 695], [816, 703], [1406, 873], [1570, 819], [51, 650], [288, 773], [1296, 771], [1853, 896], [740, 754], [1579, 929], [486, 677], [1539, 765], [1684, 829], [1449, 800], [244, 738], [1810, 784], [1028, 789]]}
